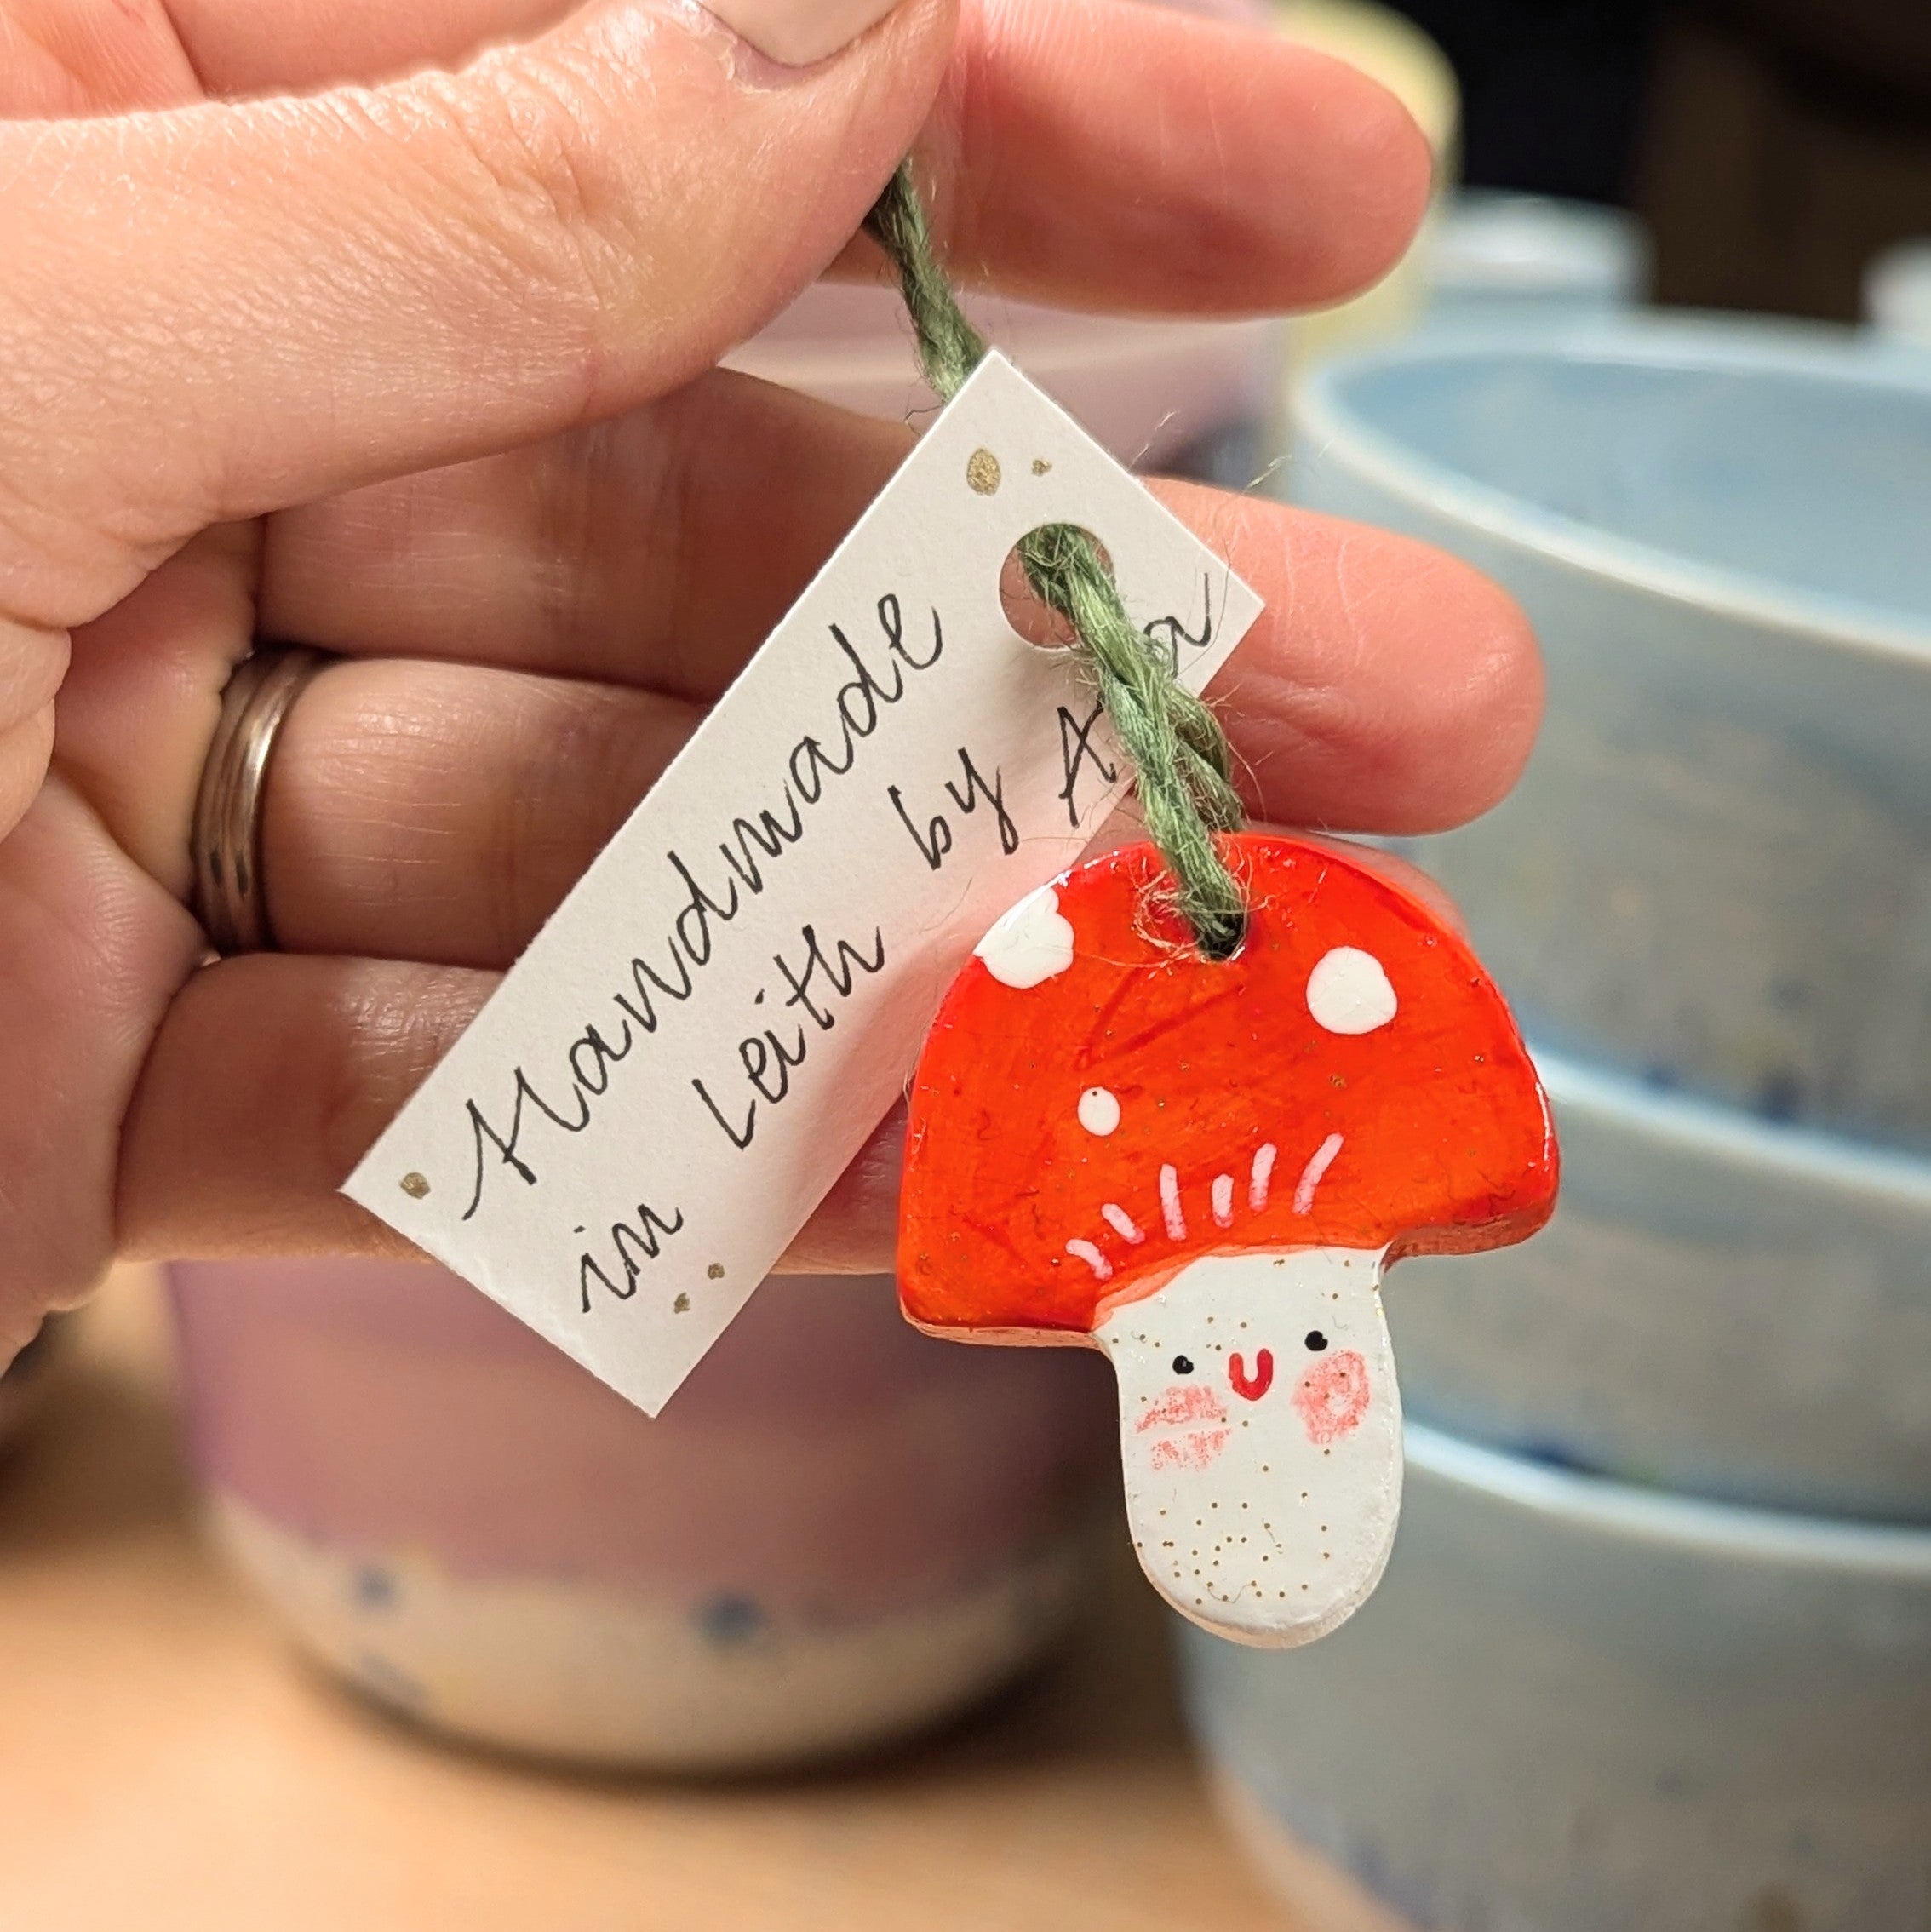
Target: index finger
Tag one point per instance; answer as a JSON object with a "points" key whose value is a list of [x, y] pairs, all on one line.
{"points": [[1105, 154]]}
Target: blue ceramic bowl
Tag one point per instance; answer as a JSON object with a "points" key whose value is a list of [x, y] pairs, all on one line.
{"points": [[1573, 1706], [1719, 1304], [1717, 872], [1492, 256]]}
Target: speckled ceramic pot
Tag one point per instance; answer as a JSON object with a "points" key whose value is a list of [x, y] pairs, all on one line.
{"points": [[1717, 873], [1574, 1707], [838, 1531], [1722, 1305]]}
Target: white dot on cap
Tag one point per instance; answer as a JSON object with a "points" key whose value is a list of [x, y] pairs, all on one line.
{"points": [[1031, 944], [1348, 992], [1099, 1110]]}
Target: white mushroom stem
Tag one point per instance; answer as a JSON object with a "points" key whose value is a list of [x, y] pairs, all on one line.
{"points": [[1260, 1431]]}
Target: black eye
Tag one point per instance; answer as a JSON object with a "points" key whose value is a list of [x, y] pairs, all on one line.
{"points": [[1183, 1365], [1315, 1340]]}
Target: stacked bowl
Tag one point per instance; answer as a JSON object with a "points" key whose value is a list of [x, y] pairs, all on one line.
{"points": [[1655, 1646], [1492, 256]]}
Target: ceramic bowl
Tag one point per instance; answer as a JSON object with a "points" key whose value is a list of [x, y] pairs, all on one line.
{"points": [[1719, 1304], [1717, 871], [1897, 293], [1574, 1707], [838, 1530], [1492, 256]]}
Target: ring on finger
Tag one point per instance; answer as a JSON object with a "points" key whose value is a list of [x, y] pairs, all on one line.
{"points": [[225, 844]]}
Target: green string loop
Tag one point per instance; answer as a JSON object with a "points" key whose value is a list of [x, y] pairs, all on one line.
{"points": [[1177, 745]]}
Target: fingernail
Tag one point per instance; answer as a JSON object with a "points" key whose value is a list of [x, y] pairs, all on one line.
{"points": [[797, 32]]}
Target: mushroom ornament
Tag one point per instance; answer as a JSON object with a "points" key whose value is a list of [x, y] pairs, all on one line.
{"points": [[1202, 1168]]}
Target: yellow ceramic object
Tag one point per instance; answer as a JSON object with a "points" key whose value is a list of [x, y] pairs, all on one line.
{"points": [[1408, 63]]}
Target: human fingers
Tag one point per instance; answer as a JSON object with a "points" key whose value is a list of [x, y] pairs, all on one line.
{"points": [[612, 583], [1097, 152], [273, 1075], [240, 47], [216, 310], [25, 740], [439, 811], [426, 810], [1386, 687], [658, 548], [1108, 155], [91, 949], [269, 1079], [33, 659]]}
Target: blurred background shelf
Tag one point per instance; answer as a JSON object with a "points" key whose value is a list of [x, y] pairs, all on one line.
{"points": [[163, 1761]]}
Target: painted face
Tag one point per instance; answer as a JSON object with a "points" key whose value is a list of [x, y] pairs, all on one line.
{"points": [[1261, 1435]]}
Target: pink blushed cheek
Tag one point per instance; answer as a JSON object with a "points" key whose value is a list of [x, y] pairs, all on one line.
{"points": [[1192, 1422], [1182, 1407], [1333, 1397], [1194, 1450]]}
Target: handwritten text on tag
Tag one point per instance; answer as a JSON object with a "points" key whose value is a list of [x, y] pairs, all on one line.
{"points": [[704, 1034]]}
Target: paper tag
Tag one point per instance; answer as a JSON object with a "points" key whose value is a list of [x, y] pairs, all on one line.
{"points": [[705, 1033]]}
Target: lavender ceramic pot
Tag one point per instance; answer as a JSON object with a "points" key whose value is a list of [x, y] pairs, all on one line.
{"points": [[837, 1532]]}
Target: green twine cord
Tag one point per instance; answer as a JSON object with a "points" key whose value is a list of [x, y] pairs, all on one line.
{"points": [[1177, 745]]}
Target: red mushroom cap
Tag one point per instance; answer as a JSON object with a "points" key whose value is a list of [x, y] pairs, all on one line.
{"points": [[1084, 1126]]}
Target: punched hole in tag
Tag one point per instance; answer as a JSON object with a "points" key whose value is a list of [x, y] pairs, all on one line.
{"points": [[1034, 620]]}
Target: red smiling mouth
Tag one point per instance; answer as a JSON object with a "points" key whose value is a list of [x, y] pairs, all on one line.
{"points": [[1254, 1386]]}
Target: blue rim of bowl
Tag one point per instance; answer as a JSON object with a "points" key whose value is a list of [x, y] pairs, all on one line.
{"points": [[1324, 419], [1809, 1155], [1664, 1519]]}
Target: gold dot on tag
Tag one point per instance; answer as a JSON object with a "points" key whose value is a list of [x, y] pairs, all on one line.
{"points": [[681, 1305], [1040, 466], [715, 1270], [415, 1185], [981, 471]]}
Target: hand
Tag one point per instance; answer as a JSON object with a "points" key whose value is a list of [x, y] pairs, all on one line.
{"points": [[414, 369]]}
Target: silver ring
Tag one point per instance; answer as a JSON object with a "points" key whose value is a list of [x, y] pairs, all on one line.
{"points": [[225, 844]]}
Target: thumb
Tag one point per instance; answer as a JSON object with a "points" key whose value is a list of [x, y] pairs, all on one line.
{"points": [[223, 309]]}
